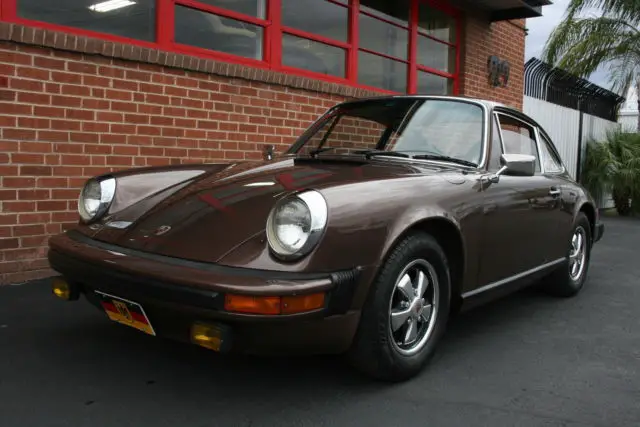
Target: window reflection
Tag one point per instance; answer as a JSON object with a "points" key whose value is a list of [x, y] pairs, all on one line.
{"points": [[381, 36], [436, 55], [313, 56], [135, 20], [255, 8], [197, 28], [328, 19], [396, 11], [376, 71], [437, 24], [432, 84]]}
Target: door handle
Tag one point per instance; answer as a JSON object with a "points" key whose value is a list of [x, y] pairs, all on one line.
{"points": [[554, 192]]}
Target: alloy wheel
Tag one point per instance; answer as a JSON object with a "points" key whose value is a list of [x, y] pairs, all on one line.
{"points": [[413, 307], [577, 253]]}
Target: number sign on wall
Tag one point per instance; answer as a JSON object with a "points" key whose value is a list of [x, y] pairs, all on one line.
{"points": [[498, 71]]}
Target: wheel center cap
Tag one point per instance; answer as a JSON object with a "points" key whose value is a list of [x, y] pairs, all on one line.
{"points": [[419, 307]]}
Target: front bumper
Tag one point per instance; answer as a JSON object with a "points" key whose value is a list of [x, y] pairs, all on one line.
{"points": [[176, 293], [598, 231]]}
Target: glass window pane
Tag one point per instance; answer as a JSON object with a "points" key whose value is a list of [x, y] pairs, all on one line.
{"points": [[550, 161], [382, 37], [395, 11], [518, 138], [437, 24], [376, 71], [208, 31], [125, 18], [452, 128], [432, 84], [348, 135], [326, 19], [436, 55], [313, 56], [496, 147], [256, 8]]}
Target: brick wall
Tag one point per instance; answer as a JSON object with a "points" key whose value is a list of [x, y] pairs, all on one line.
{"points": [[505, 39], [72, 107]]}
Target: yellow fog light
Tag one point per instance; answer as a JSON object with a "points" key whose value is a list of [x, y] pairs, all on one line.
{"points": [[208, 336], [61, 288]]}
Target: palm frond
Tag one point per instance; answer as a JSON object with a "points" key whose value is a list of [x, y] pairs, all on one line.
{"points": [[581, 46], [626, 10]]}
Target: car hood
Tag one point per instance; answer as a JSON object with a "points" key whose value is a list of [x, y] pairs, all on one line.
{"points": [[208, 217]]}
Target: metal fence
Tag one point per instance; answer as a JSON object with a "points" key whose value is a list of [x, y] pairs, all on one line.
{"points": [[572, 110]]}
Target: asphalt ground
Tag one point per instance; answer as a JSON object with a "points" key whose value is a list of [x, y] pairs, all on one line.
{"points": [[525, 360]]}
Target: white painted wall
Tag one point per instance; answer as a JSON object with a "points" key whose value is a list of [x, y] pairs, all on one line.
{"points": [[562, 125], [629, 120], [629, 111]]}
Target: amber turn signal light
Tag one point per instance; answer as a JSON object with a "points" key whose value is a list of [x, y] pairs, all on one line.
{"points": [[273, 305], [61, 288], [301, 303], [206, 336]]}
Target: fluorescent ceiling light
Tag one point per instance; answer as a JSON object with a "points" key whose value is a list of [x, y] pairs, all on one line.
{"points": [[109, 5]]}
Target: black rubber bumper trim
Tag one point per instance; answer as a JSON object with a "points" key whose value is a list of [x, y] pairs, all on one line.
{"points": [[120, 283], [94, 276]]}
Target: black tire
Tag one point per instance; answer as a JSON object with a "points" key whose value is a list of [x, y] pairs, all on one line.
{"points": [[373, 351], [560, 283]]}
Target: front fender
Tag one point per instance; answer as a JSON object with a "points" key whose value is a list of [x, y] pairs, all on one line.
{"points": [[414, 218]]}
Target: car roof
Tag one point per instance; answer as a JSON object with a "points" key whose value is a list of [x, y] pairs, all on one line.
{"points": [[489, 104]]}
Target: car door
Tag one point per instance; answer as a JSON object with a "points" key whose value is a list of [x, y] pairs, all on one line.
{"points": [[516, 208], [561, 197]]}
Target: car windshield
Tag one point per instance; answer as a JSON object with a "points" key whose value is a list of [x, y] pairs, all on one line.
{"points": [[438, 129]]}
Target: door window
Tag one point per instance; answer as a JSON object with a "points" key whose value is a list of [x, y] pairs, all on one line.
{"points": [[518, 137]]}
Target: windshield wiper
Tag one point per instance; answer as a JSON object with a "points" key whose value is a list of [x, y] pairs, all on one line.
{"points": [[320, 150], [369, 153], [445, 158]]}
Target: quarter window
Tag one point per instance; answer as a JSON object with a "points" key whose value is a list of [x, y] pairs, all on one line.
{"points": [[518, 137], [549, 159]]}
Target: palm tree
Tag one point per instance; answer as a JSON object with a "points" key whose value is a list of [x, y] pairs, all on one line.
{"points": [[613, 167], [581, 45]]}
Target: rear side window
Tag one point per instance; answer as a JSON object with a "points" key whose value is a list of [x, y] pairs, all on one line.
{"points": [[550, 161]]}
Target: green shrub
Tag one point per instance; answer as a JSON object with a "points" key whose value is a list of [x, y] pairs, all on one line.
{"points": [[612, 167]]}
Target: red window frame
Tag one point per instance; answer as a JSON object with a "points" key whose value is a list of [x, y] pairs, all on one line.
{"points": [[272, 38]]}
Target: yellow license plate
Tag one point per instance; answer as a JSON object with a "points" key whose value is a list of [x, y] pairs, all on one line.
{"points": [[126, 312]]}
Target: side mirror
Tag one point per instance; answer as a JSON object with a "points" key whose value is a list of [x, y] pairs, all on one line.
{"points": [[515, 165], [268, 152]]}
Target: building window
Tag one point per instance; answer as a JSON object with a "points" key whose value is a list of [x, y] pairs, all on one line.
{"points": [[436, 50], [124, 18], [200, 28], [384, 44], [400, 46], [315, 35], [298, 52]]}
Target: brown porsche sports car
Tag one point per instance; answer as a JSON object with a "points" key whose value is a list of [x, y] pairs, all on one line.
{"points": [[382, 219]]}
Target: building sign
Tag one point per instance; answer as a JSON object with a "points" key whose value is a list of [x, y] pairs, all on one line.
{"points": [[498, 71]]}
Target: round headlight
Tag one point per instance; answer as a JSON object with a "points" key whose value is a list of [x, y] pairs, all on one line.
{"points": [[95, 198], [295, 225]]}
